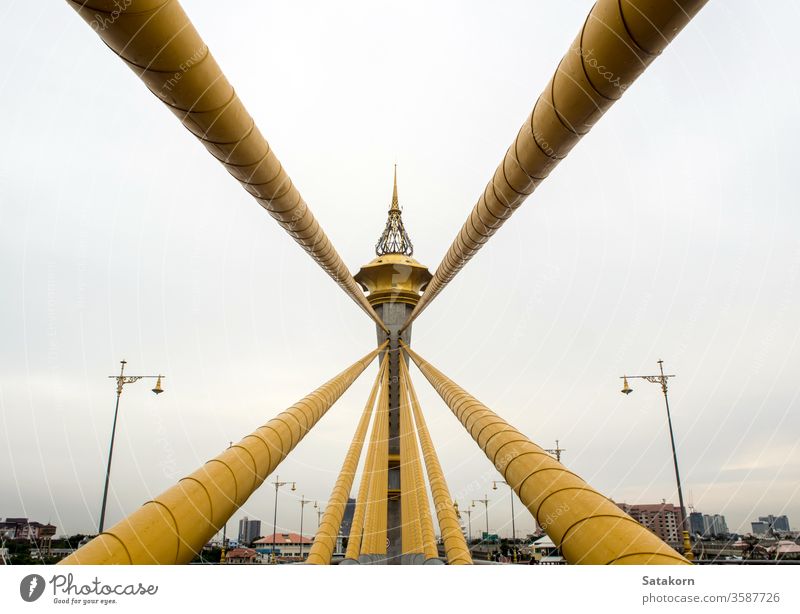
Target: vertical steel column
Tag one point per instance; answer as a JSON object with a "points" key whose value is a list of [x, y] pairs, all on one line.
{"points": [[393, 315]]}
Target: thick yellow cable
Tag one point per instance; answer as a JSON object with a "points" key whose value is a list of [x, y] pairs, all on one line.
{"points": [[588, 527], [409, 508], [159, 43], [618, 40], [325, 540], [455, 545], [176, 525], [429, 548], [357, 528], [374, 541]]}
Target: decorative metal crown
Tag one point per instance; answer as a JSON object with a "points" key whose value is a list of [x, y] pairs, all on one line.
{"points": [[394, 239]]}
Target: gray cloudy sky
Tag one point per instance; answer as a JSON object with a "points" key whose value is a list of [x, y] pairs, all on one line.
{"points": [[669, 232]]}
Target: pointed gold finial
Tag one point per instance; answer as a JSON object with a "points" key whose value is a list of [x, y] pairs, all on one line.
{"points": [[394, 239], [395, 200]]}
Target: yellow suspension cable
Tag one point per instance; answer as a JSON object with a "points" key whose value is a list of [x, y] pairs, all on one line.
{"points": [[455, 545], [156, 39], [618, 41], [174, 527], [588, 527], [358, 526], [429, 548], [409, 508], [374, 541], [325, 540]]}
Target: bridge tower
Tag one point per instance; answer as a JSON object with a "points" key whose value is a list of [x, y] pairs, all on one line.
{"points": [[394, 281]]}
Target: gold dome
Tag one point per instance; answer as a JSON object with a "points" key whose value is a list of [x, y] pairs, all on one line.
{"points": [[393, 278]]}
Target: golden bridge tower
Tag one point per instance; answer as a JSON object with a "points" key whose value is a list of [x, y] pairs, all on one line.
{"points": [[392, 520], [394, 281]]}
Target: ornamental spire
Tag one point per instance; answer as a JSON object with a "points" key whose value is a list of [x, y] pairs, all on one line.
{"points": [[394, 239], [395, 200]]}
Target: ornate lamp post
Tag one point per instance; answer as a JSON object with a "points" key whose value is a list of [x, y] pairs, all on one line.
{"points": [[556, 451], [320, 511], [662, 379], [468, 512], [485, 502], [277, 484], [122, 379], [513, 521], [303, 503]]}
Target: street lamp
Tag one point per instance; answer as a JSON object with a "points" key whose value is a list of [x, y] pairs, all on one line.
{"points": [[513, 524], [556, 451], [277, 484], [320, 511], [122, 379], [662, 379], [485, 502], [468, 512], [303, 502]]}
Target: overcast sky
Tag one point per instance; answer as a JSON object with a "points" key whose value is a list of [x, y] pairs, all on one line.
{"points": [[669, 232]]}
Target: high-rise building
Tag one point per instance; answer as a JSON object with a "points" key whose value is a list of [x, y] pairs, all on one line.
{"points": [[715, 525], [249, 530], [697, 525], [664, 519], [708, 525], [770, 524], [347, 518]]}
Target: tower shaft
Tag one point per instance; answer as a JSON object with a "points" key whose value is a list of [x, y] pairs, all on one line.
{"points": [[394, 315], [394, 281]]}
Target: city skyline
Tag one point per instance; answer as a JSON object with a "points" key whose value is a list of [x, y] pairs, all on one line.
{"points": [[122, 239]]}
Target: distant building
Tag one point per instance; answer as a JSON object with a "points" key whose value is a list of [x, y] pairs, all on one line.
{"points": [[544, 552], [347, 518], [715, 526], [707, 525], [663, 519], [697, 526], [22, 528], [242, 556], [287, 545], [249, 530], [56, 553], [770, 524]]}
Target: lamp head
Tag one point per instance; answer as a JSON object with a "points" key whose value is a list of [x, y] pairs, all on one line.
{"points": [[294, 486], [494, 486], [158, 389], [626, 389]]}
